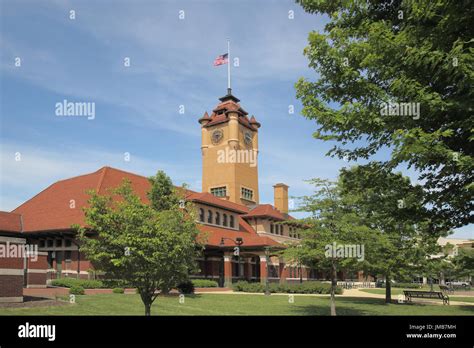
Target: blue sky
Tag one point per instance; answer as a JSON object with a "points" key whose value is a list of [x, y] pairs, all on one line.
{"points": [[137, 107]]}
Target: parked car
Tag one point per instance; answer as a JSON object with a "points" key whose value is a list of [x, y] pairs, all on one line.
{"points": [[463, 284]]}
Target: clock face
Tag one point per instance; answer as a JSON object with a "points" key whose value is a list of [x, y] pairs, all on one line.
{"points": [[217, 136], [248, 138]]}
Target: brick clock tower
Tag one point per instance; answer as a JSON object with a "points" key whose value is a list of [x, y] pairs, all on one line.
{"points": [[229, 147]]}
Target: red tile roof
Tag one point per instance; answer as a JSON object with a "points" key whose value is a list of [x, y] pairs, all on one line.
{"points": [[212, 236], [267, 210], [10, 222], [50, 209], [225, 107], [207, 198]]}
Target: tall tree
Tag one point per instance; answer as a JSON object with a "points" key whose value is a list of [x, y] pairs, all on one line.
{"points": [[463, 263], [404, 234], [332, 229], [375, 54], [151, 246]]}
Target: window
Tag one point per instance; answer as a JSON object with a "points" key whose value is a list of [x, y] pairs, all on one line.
{"points": [[219, 191], [209, 216], [282, 229], [272, 228], [224, 216], [231, 222], [59, 242], [246, 194], [68, 242], [67, 255], [50, 242], [201, 214], [42, 243], [218, 218]]}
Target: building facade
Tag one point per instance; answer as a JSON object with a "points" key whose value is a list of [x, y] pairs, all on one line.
{"points": [[229, 212]]}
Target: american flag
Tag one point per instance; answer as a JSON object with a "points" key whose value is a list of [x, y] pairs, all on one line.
{"points": [[220, 60]]}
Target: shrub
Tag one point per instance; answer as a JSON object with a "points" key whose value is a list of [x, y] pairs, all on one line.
{"points": [[118, 290], [186, 287], [85, 283], [309, 287], [244, 286], [204, 283], [76, 290]]}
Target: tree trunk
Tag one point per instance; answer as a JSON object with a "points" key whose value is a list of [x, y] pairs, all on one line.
{"points": [[388, 289], [147, 301], [333, 289], [147, 309]]}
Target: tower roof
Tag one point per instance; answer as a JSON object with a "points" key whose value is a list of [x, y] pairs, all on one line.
{"points": [[228, 103]]}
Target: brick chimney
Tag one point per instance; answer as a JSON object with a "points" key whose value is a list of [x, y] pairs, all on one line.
{"points": [[280, 196]]}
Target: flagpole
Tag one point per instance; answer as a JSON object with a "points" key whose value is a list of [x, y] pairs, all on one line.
{"points": [[228, 67]]}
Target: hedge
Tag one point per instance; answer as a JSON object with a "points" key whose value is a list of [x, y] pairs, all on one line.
{"points": [[118, 290], [70, 282], [204, 283], [309, 287], [76, 290], [186, 287]]}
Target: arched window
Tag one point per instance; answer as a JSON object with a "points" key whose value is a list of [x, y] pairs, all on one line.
{"points": [[224, 216], [201, 214], [271, 228], [209, 216], [218, 218], [231, 222]]}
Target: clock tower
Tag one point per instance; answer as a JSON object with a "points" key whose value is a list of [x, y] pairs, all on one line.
{"points": [[229, 148]]}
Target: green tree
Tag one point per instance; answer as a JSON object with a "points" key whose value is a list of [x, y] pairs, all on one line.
{"points": [[404, 235], [150, 246], [332, 223], [377, 52], [162, 195], [464, 263]]}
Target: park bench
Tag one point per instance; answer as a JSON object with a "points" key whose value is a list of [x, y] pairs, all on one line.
{"points": [[409, 294]]}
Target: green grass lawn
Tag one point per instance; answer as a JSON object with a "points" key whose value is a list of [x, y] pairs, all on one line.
{"points": [[396, 292], [219, 304]]}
